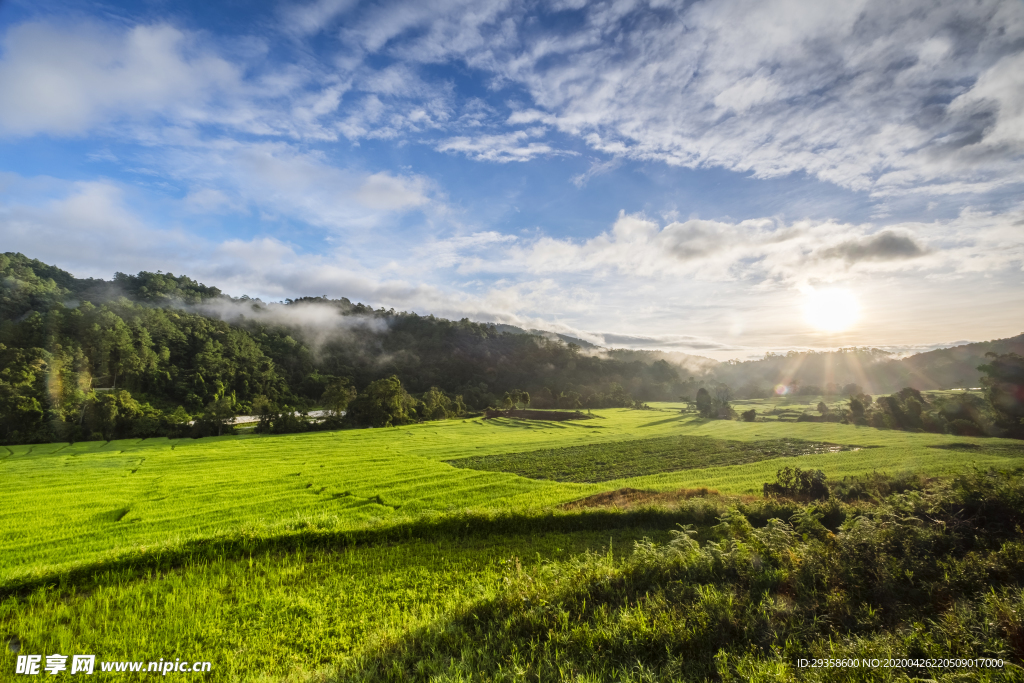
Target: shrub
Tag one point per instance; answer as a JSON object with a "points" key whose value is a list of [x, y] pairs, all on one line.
{"points": [[798, 484]]}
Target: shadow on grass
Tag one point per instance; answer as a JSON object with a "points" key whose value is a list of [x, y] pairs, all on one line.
{"points": [[679, 418], [143, 561], [516, 424]]}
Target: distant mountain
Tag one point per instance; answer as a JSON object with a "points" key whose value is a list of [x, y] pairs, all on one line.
{"points": [[945, 368], [872, 370]]}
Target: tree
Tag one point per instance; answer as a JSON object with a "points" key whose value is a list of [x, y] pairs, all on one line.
{"points": [[22, 402], [220, 412], [338, 396], [177, 422], [111, 414], [384, 403], [704, 402], [266, 411], [516, 399], [618, 397], [119, 354], [856, 407], [436, 405], [1004, 390], [571, 400]]}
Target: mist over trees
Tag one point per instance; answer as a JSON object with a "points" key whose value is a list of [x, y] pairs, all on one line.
{"points": [[161, 354]]}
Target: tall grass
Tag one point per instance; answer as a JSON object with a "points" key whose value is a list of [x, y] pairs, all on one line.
{"points": [[928, 574], [276, 614]]}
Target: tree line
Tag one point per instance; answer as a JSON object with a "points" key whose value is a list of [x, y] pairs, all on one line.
{"points": [[139, 356], [998, 412], [143, 355]]}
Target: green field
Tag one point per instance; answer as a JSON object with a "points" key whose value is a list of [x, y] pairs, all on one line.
{"points": [[78, 503], [636, 458], [285, 556]]}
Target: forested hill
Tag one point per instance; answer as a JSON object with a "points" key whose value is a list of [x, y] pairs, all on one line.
{"points": [[856, 370], [168, 348], [944, 368], [142, 353]]}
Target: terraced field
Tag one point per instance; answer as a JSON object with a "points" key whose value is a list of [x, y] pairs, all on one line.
{"points": [[286, 554], [636, 458], [81, 503]]}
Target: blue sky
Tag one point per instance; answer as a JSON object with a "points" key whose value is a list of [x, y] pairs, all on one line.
{"points": [[721, 178]]}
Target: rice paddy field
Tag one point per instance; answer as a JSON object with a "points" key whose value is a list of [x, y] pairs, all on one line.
{"points": [[285, 557]]}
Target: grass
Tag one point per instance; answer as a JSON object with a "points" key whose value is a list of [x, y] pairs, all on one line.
{"points": [[919, 577], [69, 505], [282, 614], [284, 556], [641, 457]]}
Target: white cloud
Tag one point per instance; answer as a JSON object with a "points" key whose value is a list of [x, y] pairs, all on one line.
{"points": [[747, 93], [765, 252], [869, 95], [311, 17], [386, 192], [280, 180], [1003, 86], [596, 168], [67, 80], [149, 82], [208, 200], [706, 286], [915, 96], [89, 229], [501, 148]]}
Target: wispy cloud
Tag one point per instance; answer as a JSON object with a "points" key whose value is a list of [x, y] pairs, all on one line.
{"points": [[869, 95], [502, 148], [278, 178]]}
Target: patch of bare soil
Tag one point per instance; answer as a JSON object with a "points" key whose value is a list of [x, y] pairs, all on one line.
{"points": [[627, 498]]}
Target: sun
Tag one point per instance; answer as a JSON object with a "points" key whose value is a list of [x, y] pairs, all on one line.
{"points": [[831, 309]]}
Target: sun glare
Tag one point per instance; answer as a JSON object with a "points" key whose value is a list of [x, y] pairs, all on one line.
{"points": [[831, 310]]}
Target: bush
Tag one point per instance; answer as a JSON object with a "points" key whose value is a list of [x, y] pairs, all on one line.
{"points": [[798, 484], [963, 427]]}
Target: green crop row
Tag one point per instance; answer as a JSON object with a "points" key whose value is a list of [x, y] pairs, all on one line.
{"points": [[642, 457]]}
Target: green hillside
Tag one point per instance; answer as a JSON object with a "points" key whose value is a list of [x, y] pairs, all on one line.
{"points": [[89, 502], [293, 554]]}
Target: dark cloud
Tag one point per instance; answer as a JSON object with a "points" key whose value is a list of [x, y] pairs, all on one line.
{"points": [[694, 239], [884, 246]]}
